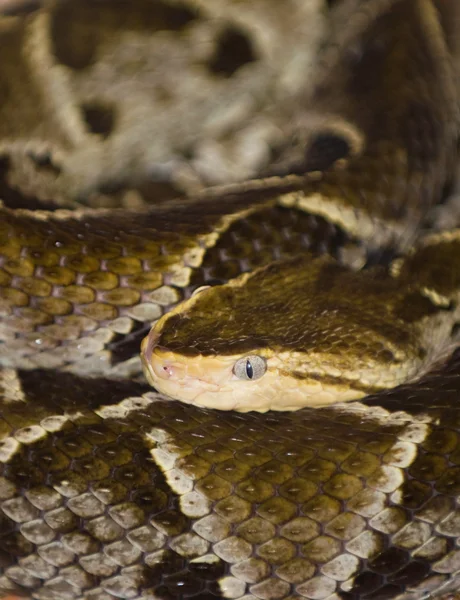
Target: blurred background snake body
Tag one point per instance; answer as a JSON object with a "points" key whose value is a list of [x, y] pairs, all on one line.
{"points": [[322, 282]]}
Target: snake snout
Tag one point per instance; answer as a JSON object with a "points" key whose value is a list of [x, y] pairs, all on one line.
{"points": [[153, 368], [156, 362]]}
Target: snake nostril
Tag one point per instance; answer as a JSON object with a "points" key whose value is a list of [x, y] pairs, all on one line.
{"points": [[161, 369], [168, 371]]}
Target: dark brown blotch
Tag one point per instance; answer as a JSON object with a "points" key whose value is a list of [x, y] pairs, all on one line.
{"points": [[233, 50], [99, 117]]}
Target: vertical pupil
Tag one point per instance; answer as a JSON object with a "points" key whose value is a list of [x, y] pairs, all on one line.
{"points": [[249, 371]]}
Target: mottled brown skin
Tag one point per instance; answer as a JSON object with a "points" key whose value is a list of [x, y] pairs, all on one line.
{"points": [[108, 490], [61, 280], [317, 483], [313, 314], [235, 318]]}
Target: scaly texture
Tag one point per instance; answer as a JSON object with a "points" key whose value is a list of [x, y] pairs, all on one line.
{"points": [[333, 335], [108, 490]]}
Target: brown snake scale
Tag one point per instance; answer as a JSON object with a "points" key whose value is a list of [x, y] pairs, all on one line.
{"points": [[108, 489]]}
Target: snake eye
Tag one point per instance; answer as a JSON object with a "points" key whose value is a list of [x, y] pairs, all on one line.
{"points": [[250, 367]]}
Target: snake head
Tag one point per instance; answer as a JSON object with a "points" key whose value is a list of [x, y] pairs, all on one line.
{"points": [[213, 381], [280, 338]]}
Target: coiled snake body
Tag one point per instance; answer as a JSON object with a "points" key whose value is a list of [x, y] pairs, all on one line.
{"points": [[109, 490]]}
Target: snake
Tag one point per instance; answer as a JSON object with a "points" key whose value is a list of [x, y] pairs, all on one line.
{"points": [[301, 439]]}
